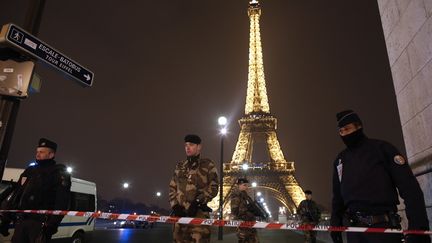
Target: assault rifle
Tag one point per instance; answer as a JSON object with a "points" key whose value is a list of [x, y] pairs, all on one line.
{"points": [[257, 209]]}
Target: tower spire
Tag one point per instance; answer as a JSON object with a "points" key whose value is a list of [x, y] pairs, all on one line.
{"points": [[256, 97]]}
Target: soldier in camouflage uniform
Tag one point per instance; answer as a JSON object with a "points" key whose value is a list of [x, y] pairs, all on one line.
{"points": [[193, 185], [241, 210], [310, 216]]}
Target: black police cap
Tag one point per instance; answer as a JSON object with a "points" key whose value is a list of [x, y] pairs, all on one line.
{"points": [[346, 117], [192, 138], [46, 143], [242, 181], [308, 192]]}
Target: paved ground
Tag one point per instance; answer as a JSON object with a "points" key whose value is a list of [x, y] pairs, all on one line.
{"points": [[162, 233]]}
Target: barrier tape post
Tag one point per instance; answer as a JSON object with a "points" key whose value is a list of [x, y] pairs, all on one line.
{"points": [[216, 222]]}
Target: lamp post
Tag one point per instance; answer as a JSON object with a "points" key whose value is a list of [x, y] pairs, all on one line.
{"points": [[125, 187], [222, 121], [254, 185], [158, 195]]}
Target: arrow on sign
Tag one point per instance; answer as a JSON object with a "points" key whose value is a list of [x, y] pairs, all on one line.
{"points": [[87, 77]]}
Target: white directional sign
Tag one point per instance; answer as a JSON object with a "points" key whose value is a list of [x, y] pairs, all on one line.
{"points": [[16, 37]]}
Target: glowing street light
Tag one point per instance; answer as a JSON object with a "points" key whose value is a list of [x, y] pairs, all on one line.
{"points": [[254, 184], [262, 200], [69, 170], [223, 131], [259, 194], [222, 121], [158, 194], [245, 167], [125, 185]]}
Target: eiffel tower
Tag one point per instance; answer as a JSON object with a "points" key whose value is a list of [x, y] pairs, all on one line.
{"points": [[275, 176]]}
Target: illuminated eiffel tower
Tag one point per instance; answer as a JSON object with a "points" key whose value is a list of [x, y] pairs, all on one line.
{"points": [[275, 176]]}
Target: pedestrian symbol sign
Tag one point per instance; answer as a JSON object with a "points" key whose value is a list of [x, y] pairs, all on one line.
{"points": [[15, 37]]}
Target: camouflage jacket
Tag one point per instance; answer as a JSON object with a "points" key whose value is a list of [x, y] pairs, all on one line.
{"points": [[309, 211], [240, 208], [193, 180]]}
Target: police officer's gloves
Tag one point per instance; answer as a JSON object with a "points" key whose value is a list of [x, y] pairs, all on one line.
{"points": [[193, 209], [336, 236], [417, 239], [4, 226], [178, 211]]}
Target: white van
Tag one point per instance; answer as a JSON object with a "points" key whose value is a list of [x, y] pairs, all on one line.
{"points": [[83, 198]]}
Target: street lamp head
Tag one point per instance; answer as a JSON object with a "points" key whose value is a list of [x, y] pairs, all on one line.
{"points": [[245, 167], [69, 170], [259, 194], [125, 185], [254, 184], [262, 200], [222, 121], [158, 194], [223, 131]]}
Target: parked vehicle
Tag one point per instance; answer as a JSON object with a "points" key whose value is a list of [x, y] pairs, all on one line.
{"points": [[83, 198]]}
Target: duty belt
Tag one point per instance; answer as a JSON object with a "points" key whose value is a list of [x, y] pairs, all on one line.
{"points": [[369, 220], [362, 219], [37, 217]]}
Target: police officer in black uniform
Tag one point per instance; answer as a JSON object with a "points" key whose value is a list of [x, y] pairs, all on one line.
{"points": [[45, 185], [367, 176]]}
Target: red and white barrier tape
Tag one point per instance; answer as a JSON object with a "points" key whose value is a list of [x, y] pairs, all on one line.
{"points": [[215, 222]]}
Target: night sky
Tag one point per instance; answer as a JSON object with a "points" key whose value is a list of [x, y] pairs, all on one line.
{"points": [[167, 68]]}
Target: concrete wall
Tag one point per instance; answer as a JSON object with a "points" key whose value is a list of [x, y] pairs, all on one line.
{"points": [[407, 27]]}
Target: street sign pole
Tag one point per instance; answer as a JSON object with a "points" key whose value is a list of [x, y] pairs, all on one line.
{"points": [[9, 106], [21, 46]]}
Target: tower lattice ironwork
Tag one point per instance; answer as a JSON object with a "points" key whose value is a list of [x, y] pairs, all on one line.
{"points": [[276, 176]]}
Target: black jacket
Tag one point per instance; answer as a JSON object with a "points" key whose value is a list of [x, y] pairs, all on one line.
{"points": [[369, 178], [45, 186], [309, 211]]}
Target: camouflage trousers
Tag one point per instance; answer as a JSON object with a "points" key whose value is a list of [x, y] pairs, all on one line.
{"points": [[184, 233], [310, 236], [247, 235]]}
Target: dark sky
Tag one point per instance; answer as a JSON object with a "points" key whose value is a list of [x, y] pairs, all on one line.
{"points": [[167, 68]]}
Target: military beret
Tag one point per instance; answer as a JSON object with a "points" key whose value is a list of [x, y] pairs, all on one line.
{"points": [[346, 117], [46, 143], [308, 192], [192, 138], [242, 181]]}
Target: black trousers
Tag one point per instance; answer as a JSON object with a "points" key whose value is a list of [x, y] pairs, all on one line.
{"points": [[374, 237], [29, 231]]}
